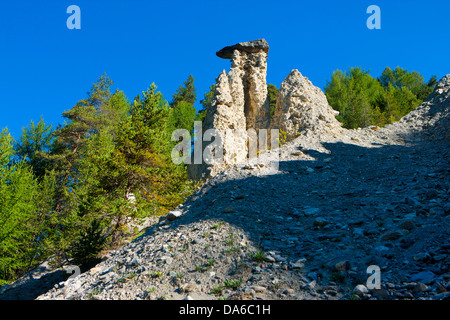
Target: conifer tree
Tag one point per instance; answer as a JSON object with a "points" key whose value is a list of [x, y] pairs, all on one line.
{"points": [[206, 103], [36, 140], [363, 100], [25, 206], [186, 92]]}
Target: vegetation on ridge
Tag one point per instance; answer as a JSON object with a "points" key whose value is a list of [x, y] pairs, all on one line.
{"points": [[363, 100]]}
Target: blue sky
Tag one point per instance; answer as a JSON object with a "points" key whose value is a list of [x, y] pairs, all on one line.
{"points": [[45, 68]]}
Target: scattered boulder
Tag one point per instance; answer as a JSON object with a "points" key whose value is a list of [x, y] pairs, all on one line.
{"points": [[407, 224], [343, 265], [391, 235], [172, 215], [360, 290]]}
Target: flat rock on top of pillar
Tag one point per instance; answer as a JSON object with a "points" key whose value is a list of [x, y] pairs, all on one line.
{"points": [[250, 47]]}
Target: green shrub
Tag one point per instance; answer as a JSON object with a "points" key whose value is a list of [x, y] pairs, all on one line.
{"points": [[90, 243]]}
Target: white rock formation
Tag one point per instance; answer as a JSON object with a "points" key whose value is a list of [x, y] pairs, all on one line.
{"points": [[302, 106], [241, 105]]}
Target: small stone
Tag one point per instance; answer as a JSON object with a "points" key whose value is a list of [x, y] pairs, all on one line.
{"points": [[167, 259], [249, 291], [380, 293], [409, 286], [320, 222], [189, 287], [188, 298], [404, 295], [310, 211], [279, 258], [259, 288], [332, 293], [424, 277], [407, 225], [309, 286], [357, 222], [133, 261], [423, 256], [413, 202], [289, 291], [257, 269], [105, 271], [410, 216], [382, 250], [95, 270], [390, 285], [420, 287], [343, 265], [172, 215], [391, 235], [300, 263], [297, 153], [360, 289], [439, 257], [198, 241], [229, 209]]}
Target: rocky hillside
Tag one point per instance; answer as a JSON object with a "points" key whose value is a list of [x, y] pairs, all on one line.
{"points": [[339, 201], [304, 221]]}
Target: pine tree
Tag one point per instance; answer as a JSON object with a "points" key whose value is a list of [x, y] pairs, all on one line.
{"points": [[36, 140], [25, 205], [206, 103], [141, 162], [88, 132], [182, 111], [186, 93], [181, 116], [363, 100]]}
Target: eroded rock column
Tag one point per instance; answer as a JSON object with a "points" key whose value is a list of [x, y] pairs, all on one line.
{"points": [[248, 82]]}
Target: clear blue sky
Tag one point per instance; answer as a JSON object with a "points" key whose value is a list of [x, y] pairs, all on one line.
{"points": [[45, 68]]}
